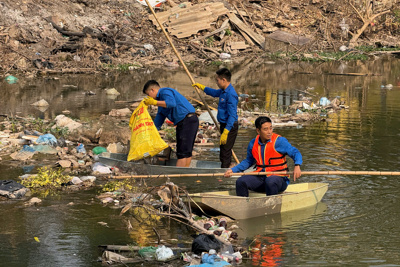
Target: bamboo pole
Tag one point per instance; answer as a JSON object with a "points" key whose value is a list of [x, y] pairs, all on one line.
{"points": [[187, 71], [219, 174]]}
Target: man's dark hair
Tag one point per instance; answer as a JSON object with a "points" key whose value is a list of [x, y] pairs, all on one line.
{"points": [[224, 73], [261, 120], [149, 84]]}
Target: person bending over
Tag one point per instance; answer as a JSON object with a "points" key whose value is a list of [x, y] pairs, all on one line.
{"points": [[174, 106]]}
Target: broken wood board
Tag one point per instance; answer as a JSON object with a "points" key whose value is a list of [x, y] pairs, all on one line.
{"points": [[185, 20], [238, 45], [259, 39], [352, 74], [222, 29]]}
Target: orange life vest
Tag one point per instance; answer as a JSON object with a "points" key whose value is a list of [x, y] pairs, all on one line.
{"points": [[273, 160]]}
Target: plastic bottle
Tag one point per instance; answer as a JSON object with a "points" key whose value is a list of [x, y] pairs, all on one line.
{"points": [[222, 222], [209, 224], [81, 148], [229, 257]]}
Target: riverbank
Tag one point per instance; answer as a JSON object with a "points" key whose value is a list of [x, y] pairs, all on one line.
{"points": [[96, 36]]}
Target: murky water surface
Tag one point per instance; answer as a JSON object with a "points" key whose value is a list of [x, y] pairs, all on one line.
{"points": [[355, 225]]}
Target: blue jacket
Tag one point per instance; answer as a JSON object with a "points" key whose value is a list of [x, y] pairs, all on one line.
{"points": [[227, 106], [282, 145], [177, 107]]}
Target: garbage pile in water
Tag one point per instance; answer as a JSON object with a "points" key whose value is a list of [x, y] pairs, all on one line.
{"points": [[212, 243]]}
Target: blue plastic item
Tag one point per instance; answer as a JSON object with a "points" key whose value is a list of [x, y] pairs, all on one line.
{"points": [[47, 139], [27, 148], [207, 258], [323, 101], [11, 79], [81, 148], [215, 264]]}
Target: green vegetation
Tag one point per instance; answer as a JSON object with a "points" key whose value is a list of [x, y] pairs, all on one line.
{"points": [[43, 126], [228, 32], [358, 53], [126, 185], [170, 134], [46, 177], [216, 63], [122, 67], [210, 41]]}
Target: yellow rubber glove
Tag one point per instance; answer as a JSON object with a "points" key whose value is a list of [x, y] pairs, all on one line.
{"points": [[199, 85], [224, 137], [150, 101]]}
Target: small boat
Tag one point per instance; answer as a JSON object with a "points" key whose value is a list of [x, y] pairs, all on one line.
{"points": [[160, 167], [296, 196]]}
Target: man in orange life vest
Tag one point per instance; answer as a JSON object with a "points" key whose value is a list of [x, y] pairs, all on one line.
{"points": [[268, 151]]}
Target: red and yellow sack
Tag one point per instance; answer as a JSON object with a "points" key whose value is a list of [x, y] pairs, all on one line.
{"points": [[145, 139]]}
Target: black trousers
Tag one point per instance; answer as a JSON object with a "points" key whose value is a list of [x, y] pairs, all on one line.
{"points": [[225, 154]]}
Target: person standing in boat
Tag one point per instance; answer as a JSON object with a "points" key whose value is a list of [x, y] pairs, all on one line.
{"points": [[268, 152], [227, 113], [174, 106]]}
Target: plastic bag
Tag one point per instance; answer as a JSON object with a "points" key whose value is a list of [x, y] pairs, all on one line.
{"points": [[98, 150], [203, 243], [47, 139], [323, 101], [145, 139], [163, 253], [148, 252]]}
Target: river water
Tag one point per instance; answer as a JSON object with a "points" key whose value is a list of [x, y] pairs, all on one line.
{"points": [[356, 224]]}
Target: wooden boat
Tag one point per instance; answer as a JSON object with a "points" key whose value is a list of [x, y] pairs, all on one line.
{"points": [[159, 167], [296, 196]]}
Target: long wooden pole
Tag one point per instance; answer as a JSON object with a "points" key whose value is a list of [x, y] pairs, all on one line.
{"points": [[187, 71], [219, 174]]}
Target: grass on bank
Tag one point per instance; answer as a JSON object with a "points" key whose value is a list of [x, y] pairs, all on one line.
{"points": [[358, 53]]}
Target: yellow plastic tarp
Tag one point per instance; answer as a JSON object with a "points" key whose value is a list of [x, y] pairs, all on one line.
{"points": [[145, 139]]}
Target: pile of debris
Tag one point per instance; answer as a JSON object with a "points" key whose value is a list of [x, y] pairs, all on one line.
{"points": [[89, 36]]}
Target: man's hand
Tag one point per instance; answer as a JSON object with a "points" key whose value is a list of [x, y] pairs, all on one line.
{"points": [[224, 137], [199, 85], [150, 101], [296, 172], [228, 173]]}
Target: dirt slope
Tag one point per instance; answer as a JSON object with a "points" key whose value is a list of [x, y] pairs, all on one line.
{"points": [[83, 35]]}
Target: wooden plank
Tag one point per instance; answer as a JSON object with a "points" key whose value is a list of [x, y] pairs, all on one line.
{"points": [[238, 45], [184, 22], [259, 39], [211, 33], [225, 23], [248, 39]]}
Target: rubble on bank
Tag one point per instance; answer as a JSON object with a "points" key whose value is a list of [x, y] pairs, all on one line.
{"points": [[23, 138], [89, 36]]}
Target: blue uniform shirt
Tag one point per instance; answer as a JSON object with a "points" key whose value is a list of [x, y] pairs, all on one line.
{"points": [[227, 106], [282, 145], [177, 107]]}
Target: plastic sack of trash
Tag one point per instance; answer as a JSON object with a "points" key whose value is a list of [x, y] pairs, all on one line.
{"points": [[163, 253], [148, 253], [145, 139], [323, 101], [99, 168], [204, 242], [47, 139]]}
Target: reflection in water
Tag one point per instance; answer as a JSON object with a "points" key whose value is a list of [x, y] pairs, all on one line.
{"points": [[279, 221], [267, 250]]}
